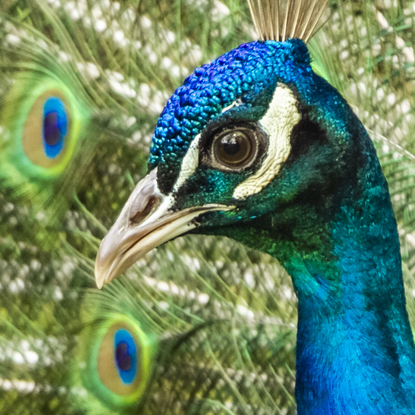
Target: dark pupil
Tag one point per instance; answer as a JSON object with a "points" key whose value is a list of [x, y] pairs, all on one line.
{"points": [[230, 145], [50, 129], [122, 357], [233, 148]]}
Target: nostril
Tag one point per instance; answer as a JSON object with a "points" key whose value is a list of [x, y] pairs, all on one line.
{"points": [[143, 207]]}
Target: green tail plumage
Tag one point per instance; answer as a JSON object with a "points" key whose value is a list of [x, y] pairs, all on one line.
{"points": [[116, 352], [52, 115], [209, 343], [31, 167]]}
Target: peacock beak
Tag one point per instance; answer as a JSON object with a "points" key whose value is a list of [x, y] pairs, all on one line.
{"points": [[146, 221]]}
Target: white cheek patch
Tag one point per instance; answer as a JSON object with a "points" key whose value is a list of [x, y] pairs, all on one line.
{"points": [[189, 163], [278, 123]]}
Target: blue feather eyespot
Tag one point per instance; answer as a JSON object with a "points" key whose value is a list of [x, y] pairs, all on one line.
{"points": [[46, 125], [126, 356], [47, 137], [118, 356], [55, 126]]}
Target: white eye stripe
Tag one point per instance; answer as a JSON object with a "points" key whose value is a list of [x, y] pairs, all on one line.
{"points": [[236, 103], [282, 116], [191, 159], [189, 163]]}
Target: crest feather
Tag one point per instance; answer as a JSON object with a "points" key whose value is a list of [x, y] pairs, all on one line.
{"points": [[284, 19]]}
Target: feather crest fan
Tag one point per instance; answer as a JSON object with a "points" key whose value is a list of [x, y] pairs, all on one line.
{"points": [[284, 19]]}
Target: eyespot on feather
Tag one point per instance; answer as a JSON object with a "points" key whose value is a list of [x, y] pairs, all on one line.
{"points": [[54, 111], [55, 126], [47, 139], [47, 130], [118, 357], [44, 123]]}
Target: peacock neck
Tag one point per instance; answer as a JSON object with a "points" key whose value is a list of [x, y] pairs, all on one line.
{"points": [[355, 349]]}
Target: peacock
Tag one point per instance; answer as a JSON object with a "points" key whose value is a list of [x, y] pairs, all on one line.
{"points": [[49, 221], [256, 147], [203, 325]]}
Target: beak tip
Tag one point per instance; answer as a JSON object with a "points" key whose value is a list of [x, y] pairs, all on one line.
{"points": [[99, 280], [101, 273]]}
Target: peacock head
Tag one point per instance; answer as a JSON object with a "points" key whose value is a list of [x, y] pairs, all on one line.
{"points": [[250, 141]]}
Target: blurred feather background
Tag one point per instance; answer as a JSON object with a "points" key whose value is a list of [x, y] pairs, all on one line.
{"points": [[223, 316]]}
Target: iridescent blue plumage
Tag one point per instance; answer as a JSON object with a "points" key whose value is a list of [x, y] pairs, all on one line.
{"points": [[250, 71]]}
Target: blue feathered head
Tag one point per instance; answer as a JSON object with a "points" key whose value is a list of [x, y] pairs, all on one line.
{"points": [[250, 134]]}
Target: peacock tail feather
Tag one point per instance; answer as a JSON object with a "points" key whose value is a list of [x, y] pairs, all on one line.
{"points": [[213, 322], [40, 140], [209, 351], [116, 351]]}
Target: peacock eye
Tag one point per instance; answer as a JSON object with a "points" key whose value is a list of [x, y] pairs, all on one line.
{"points": [[118, 357], [236, 149]]}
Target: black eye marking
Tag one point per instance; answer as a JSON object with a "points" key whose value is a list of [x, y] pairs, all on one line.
{"points": [[234, 147], [51, 129], [122, 356]]}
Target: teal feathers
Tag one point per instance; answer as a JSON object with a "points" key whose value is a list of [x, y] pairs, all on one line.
{"points": [[46, 313]]}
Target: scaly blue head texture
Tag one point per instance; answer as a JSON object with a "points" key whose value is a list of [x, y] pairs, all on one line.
{"points": [[324, 212], [249, 72]]}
